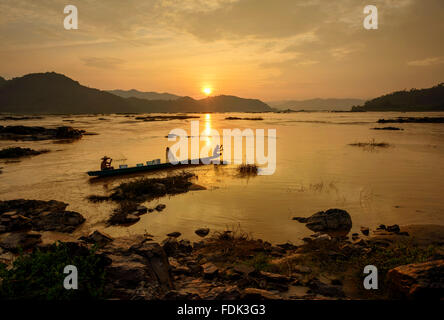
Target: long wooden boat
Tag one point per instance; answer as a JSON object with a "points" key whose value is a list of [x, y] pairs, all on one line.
{"points": [[149, 167], [118, 171]]}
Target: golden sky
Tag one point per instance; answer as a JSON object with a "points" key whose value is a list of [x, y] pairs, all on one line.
{"points": [[266, 49]]}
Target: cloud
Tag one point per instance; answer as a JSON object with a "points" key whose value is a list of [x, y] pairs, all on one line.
{"points": [[102, 62], [285, 42], [426, 62]]}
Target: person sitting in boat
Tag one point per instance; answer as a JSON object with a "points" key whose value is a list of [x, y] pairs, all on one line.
{"points": [[218, 151], [106, 163]]}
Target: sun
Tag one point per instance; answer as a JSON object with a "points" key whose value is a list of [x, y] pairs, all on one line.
{"points": [[207, 90]]}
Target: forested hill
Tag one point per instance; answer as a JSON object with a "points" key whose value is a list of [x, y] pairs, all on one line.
{"points": [[430, 99], [57, 94]]}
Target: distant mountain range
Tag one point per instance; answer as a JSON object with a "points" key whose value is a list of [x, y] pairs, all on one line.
{"points": [[430, 99], [57, 94], [317, 104], [144, 95]]}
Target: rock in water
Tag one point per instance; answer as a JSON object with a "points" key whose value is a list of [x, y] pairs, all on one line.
{"points": [[202, 232], [365, 231], [394, 228], [175, 234], [417, 281], [160, 207], [330, 221]]}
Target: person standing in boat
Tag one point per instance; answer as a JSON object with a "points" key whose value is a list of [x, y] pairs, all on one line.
{"points": [[169, 157], [106, 163], [167, 153]]}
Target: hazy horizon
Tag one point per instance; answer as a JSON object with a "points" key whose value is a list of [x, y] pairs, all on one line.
{"points": [[274, 50]]}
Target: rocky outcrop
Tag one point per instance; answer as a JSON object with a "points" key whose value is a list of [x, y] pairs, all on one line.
{"points": [[20, 240], [19, 215], [417, 281], [330, 221], [25, 133]]}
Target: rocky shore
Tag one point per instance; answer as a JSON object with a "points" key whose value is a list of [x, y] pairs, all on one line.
{"points": [[231, 265]]}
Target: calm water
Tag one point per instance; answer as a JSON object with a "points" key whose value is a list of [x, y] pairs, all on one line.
{"points": [[316, 170]]}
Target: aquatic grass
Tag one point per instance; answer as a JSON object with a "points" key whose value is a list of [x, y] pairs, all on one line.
{"points": [[371, 145], [145, 189], [261, 262], [247, 169]]}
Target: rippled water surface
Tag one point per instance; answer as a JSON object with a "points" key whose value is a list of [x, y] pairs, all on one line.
{"points": [[316, 170]]}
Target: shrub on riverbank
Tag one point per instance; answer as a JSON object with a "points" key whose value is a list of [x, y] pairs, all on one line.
{"points": [[40, 276]]}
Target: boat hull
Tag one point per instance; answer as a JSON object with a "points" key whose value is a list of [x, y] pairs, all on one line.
{"points": [[146, 168], [114, 172]]}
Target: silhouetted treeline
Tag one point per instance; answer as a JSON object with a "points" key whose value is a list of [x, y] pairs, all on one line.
{"points": [[430, 99]]}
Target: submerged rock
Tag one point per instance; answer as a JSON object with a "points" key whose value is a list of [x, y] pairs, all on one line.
{"points": [[330, 221], [417, 281]]}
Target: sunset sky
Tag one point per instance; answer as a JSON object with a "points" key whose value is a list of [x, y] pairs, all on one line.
{"points": [[266, 49]]}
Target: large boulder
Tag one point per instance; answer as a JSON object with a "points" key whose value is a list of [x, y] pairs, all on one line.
{"points": [[417, 281], [330, 221], [137, 271]]}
